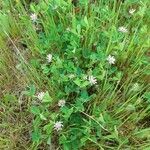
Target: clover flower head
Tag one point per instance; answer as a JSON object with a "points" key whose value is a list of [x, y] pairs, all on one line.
{"points": [[92, 80], [68, 29], [49, 58], [111, 59], [33, 17], [131, 11], [40, 95], [123, 29], [61, 103], [71, 76], [58, 125]]}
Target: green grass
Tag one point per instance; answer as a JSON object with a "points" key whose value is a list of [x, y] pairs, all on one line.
{"points": [[80, 35]]}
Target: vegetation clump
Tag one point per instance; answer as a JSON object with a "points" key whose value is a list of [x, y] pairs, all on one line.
{"points": [[75, 74]]}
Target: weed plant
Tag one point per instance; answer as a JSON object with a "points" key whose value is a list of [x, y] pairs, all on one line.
{"points": [[75, 74]]}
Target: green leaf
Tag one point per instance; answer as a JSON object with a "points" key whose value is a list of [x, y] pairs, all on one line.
{"points": [[130, 107], [9, 98], [116, 132], [144, 133], [147, 96], [30, 91], [48, 128], [47, 98], [35, 110], [36, 136], [66, 112], [77, 81], [79, 29], [42, 117], [49, 141], [79, 106], [84, 84], [35, 63], [45, 69], [101, 118], [81, 83], [32, 7], [84, 96], [86, 21]]}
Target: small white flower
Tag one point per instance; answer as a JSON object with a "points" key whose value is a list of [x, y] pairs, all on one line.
{"points": [[123, 29], [111, 59], [49, 57], [61, 103], [131, 11], [58, 125], [71, 76], [92, 80], [40, 95], [68, 29], [95, 44], [33, 17]]}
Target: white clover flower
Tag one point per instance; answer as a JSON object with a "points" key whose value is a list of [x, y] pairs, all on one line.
{"points": [[61, 103], [49, 57], [92, 80], [71, 76], [123, 29], [111, 59], [33, 17], [95, 44], [58, 125], [131, 11], [68, 29], [40, 95]]}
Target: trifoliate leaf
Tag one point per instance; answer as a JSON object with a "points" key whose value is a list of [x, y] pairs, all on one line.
{"points": [[35, 110], [81, 83], [36, 136], [66, 112], [42, 117], [47, 98]]}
